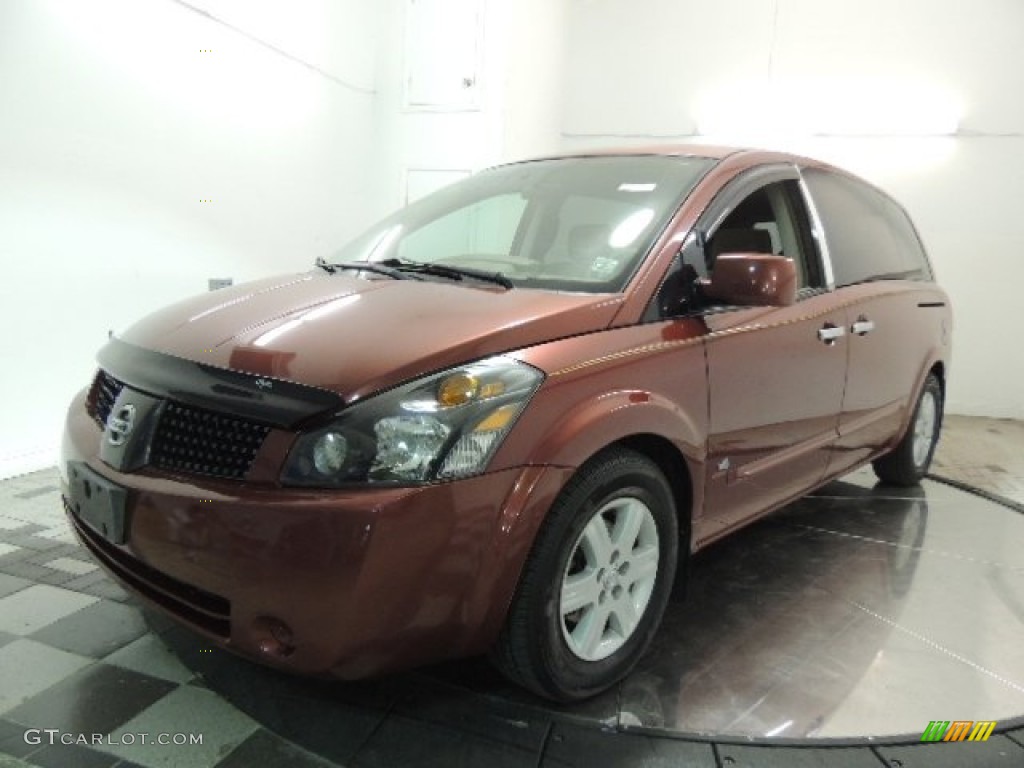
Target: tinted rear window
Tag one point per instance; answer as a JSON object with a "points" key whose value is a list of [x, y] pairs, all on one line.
{"points": [[870, 237]]}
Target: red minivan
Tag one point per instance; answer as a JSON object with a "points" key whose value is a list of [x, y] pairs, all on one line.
{"points": [[503, 418]]}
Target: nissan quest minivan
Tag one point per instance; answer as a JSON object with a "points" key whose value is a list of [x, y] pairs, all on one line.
{"points": [[503, 419]]}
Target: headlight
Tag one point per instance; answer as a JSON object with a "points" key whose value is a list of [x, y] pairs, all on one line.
{"points": [[443, 426], [329, 453]]}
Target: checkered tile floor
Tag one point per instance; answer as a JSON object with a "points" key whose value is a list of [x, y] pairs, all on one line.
{"points": [[80, 658]]}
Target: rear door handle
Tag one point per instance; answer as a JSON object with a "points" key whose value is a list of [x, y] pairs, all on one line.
{"points": [[862, 327], [829, 333]]}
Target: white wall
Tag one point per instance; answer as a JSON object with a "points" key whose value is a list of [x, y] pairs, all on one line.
{"points": [[654, 69], [518, 88], [115, 125], [534, 72], [442, 139]]}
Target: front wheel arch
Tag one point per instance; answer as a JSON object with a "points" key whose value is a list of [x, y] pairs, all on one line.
{"points": [[676, 468], [532, 648], [516, 529]]}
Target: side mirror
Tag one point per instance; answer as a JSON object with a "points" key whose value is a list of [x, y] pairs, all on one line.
{"points": [[752, 279]]}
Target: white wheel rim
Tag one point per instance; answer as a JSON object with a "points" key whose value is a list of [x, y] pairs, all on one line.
{"points": [[924, 428], [609, 579]]}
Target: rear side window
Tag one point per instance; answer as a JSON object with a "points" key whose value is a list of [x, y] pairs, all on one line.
{"points": [[870, 237]]}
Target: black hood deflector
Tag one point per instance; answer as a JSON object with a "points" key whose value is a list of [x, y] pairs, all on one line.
{"points": [[264, 399]]}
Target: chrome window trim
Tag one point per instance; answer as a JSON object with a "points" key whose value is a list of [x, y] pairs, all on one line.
{"points": [[818, 232], [737, 189]]}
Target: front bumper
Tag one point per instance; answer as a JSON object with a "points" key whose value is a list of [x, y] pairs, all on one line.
{"points": [[349, 582]]}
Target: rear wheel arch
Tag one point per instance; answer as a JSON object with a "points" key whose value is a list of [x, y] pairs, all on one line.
{"points": [[935, 367], [939, 369], [908, 461]]}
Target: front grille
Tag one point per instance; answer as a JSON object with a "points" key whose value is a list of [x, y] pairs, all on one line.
{"points": [[104, 391], [188, 439], [203, 609], [197, 441]]}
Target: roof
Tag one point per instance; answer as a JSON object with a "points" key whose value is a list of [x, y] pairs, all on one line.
{"points": [[689, 150], [745, 155]]}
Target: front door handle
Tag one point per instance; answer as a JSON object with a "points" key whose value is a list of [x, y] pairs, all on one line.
{"points": [[862, 327], [829, 333]]}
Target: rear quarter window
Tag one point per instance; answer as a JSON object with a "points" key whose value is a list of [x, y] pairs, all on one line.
{"points": [[870, 237]]}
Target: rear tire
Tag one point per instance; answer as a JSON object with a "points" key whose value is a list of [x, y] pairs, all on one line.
{"points": [[908, 462], [596, 583]]}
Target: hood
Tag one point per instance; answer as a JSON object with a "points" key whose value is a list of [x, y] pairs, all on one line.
{"points": [[355, 336]]}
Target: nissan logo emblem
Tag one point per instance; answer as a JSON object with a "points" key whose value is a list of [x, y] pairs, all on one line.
{"points": [[120, 424]]}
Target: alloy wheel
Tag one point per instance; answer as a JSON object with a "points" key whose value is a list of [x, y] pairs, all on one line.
{"points": [[609, 579]]}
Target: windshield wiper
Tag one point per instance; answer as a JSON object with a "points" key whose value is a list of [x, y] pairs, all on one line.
{"points": [[445, 270], [376, 267]]}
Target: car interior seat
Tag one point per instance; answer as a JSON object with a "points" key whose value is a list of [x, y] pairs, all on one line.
{"points": [[739, 241]]}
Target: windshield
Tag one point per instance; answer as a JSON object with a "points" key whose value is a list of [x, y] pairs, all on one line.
{"points": [[572, 224]]}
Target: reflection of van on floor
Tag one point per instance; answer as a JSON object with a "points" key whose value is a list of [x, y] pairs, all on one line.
{"points": [[500, 419], [791, 650]]}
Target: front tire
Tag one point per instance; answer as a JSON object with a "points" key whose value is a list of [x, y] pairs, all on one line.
{"points": [[908, 462], [596, 583]]}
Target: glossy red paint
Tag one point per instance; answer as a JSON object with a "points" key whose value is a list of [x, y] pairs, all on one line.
{"points": [[743, 408], [359, 594], [293, 328]]}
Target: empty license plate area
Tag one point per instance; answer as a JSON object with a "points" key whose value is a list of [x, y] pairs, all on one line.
{"points": [[97, 502]]}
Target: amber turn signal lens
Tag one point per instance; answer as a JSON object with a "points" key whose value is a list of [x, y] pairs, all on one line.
{"points": [[499, 419], [457, 389], [492, 389]]}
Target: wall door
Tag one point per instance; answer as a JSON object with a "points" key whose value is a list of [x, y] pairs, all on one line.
{"points": [[443, 42]]}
